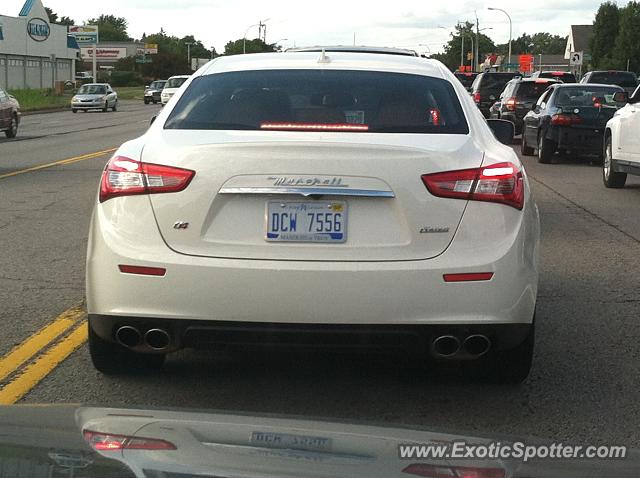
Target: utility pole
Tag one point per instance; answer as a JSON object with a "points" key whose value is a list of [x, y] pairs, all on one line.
{"points": [[189, 53], [475, 54]]}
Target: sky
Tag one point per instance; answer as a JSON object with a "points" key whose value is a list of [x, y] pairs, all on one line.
{"points": [[422, 25]]}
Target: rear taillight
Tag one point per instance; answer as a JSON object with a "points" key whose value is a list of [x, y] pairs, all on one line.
{"points": [[510, 104], [445, 471], [502, 183], [477, 97], [126, 177], [565, 120], [110, 442]]}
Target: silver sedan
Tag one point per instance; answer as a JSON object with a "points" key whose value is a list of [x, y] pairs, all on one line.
{"points": [[95, 96]]}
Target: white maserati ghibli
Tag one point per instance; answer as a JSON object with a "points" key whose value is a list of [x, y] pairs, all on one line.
{"points": [[332, 199]]}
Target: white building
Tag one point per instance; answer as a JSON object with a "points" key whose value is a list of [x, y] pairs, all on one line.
{"points": [[33, 52]]}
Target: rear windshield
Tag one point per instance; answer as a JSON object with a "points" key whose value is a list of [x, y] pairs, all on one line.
{"points": [[559, 75], [531, 90], [158, 85], [328, 100], [495, 82], [466, 78], [620, 78], [175, 82], [585, 96]]}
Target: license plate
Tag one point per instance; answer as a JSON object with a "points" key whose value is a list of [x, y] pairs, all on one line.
{"points": [[307, 221]]}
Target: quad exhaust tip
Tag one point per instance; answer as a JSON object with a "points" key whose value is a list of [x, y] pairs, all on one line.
{"points": [[446, 346], [476, 345], [128, 336]]}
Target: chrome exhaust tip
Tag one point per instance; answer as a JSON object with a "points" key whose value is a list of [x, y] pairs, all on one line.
{"points": [[128, 336], [476, 345], [446, 346], [157, 339]]}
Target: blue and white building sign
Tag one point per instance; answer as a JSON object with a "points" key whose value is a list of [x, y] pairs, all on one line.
{"points": [[38, 29]]}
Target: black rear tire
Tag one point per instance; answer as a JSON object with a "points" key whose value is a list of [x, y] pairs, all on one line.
{"points": [[147, 101], [611, 178], [112, 358], [524, 149], [511, 366], [13, 128], [546, 148]]}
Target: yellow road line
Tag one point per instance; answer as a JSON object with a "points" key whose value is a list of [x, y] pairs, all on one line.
{"points": [[39, 369], [75, 159], [34, 344]]}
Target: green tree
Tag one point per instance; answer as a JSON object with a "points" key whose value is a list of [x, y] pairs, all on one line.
{"points": [[252, 46], [53, 18], [542, 42], [452, 49], [627, 44], [605, 32], [111, 28]]}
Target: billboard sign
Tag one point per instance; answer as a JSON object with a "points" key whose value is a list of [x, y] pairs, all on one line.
{"points": [[103, 53], [85, 34], [151, 48]]}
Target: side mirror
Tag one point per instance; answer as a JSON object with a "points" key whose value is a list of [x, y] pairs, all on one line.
{"points": [[621, 97], [153, 120], [503, 130]]}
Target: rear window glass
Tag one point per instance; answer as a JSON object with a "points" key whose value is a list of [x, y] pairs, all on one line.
{"points": [[328, 100], [466, 78], [559, 75], [175, 82], [585, 96], [620, 78], [495, 82], [530, 90]]}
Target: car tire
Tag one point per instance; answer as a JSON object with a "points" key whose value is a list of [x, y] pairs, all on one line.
{"points": [[546, 148], [105, 108], [74, 110], [611, 178], [511, 366], [155, 102], [147, 101], [13, 128], [524, 149], [111, 358], [115, 107]]}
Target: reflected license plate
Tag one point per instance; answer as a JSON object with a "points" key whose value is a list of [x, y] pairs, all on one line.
{"points": [[307, 221]]}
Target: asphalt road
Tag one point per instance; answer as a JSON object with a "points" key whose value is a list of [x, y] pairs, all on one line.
{"points": [[584, 387]]}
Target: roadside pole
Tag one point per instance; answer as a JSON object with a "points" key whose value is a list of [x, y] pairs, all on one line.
{"points": [[94, 62]]}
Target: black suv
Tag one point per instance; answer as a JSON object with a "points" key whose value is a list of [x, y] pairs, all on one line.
{"points": [[487, 87], [563, 76], [518, 98], [625, 79]]}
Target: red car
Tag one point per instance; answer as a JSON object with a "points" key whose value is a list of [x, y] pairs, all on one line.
{"points": [[9, 114]]}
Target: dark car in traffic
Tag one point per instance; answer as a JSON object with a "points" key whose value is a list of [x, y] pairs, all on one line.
{"points": [[487, 87], [518, 98], [9, 114], [466, 78], [626, 79], [570, 117], [564, 76], [152, 92]]}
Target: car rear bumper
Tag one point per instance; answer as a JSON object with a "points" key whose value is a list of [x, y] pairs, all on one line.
{"points": [[585, 140], [307, 292]]}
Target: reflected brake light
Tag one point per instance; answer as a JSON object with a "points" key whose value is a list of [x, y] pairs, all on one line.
{"points": [[501, 183], [446, 471], [111, 442], [127, 177]]}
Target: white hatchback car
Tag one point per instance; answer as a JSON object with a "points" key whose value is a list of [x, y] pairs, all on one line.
{"points": [[622, 144], [316, 199], [171, 86]]}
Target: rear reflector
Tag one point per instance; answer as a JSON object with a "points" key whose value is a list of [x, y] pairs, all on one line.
{"points": [[127, 177], [142, 270], [107, 442], [500, 183], [468, 277], [445, 471], [314, 127]]}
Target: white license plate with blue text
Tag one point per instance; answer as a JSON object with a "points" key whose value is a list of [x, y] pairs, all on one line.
{"points": [[307, 221]]}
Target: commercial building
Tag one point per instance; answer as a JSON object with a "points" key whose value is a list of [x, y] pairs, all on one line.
{"points": [[35, 53]]}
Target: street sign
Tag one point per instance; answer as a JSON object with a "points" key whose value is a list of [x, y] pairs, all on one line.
{"points": [[151, 48], [144, 60], [85, 34], [576, 58]]}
